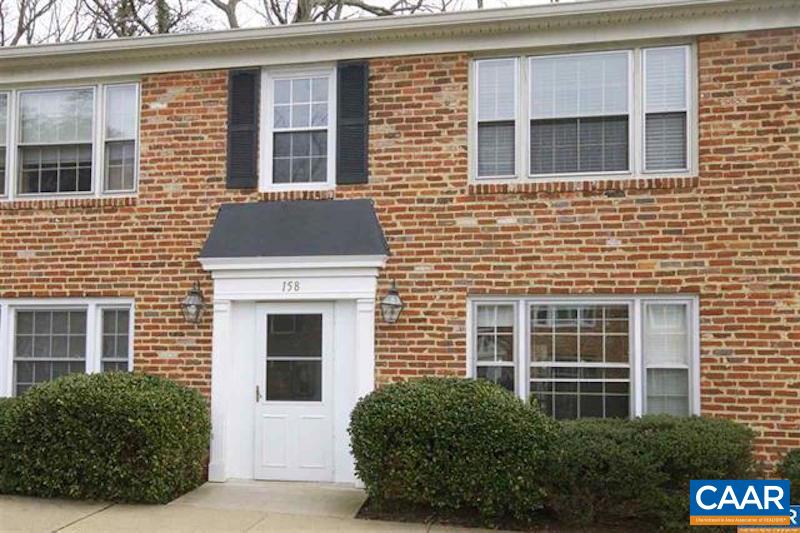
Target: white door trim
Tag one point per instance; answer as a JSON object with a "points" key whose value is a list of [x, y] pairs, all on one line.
{"points": [[350, 286]]}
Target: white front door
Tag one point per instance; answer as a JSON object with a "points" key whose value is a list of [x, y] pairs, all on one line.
{"points": [[294, 396]]}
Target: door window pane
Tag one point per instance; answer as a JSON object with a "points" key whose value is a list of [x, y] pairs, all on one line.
{"points": [[48, 344], [294, 357]]}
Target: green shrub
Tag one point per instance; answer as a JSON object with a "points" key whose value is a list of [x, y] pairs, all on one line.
{"points": [[452, 444], [599, 471], [113, 436], [6, 404], [640, 469], [789, 468]]}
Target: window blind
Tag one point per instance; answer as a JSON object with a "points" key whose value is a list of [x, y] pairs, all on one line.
{"points": [[496, 110], [579, 113], [665, 95], [666, 347]]}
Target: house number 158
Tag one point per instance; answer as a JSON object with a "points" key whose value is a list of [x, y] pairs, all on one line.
{"points": [[291, 286]]}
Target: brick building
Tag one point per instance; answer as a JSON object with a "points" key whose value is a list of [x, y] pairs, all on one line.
{"points": [[595, 204]]}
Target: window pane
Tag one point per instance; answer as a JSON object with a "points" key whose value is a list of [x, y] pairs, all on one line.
{"points": [[666, 334], [668, 391], [3, 118], [496, 89], [43, 346], [502, 375], [665, 79], [665, 141], [579, 85], [300, 157], [58, 116], [579, 145], [121, 112], [55, 169], [495, 333], [120, 165], [569, 345], [114, 346], [496, 149]]}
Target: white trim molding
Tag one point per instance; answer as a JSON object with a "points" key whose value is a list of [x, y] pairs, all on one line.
{"points": [[93, 307], [537, 26], [350, 282], [637, 373], [635, 114]]}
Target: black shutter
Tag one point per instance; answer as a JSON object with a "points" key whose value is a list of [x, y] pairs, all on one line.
{"points": [[352, 123], [243, 90]]}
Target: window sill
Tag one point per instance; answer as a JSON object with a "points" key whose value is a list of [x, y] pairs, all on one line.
{"points": [[600, 185], [66, 202]]}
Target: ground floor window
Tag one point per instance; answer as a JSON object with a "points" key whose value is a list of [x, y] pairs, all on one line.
{"points": [[590, 357], [41, 340]]}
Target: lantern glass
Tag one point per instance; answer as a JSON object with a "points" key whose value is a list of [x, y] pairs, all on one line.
{"points": [[391, 306], [193, 305]]}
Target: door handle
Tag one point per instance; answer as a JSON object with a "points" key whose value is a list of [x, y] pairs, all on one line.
{"points": [[258, 394]]}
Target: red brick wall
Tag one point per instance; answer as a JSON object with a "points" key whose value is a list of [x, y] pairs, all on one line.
{"points": [[730, 235]]}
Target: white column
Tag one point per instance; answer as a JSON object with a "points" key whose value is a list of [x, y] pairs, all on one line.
{"points": [[220, 354], [365, 346]]}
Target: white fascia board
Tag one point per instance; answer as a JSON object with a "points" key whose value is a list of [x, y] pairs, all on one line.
{"points": [[529, 27], [292, 263]]}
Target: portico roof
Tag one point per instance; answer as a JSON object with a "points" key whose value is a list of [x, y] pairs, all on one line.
{"points": [[296, 229]]}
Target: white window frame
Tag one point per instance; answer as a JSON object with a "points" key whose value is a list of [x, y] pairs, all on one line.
{"points": [[268, 77], [94, 332], [636, 116], [7, 126], [691, 119], [11, 191], [102, 148], [518, 156], [638, 377]]}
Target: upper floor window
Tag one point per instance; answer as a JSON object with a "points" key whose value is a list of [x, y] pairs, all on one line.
{"points": [[69, 141], [615, 357], [621, 112], [300, 128]]}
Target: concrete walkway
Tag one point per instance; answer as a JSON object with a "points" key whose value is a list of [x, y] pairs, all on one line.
{"points": [[232, 506]]}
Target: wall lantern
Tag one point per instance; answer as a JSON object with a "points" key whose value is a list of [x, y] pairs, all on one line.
{"points": [[391, 305], [194, 304]]}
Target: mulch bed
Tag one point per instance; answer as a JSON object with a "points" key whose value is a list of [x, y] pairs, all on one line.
{"points": [[541, 521]]}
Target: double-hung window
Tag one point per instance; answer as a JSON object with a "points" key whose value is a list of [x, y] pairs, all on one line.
{"points": [[587, 114], [47, 340], [78, 141], [55, 141], [666, 108], [300, 128], [614, 357], [579, 113], [496, 110]]}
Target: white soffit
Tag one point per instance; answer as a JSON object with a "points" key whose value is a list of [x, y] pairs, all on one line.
{"points": [[528, 27]]}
